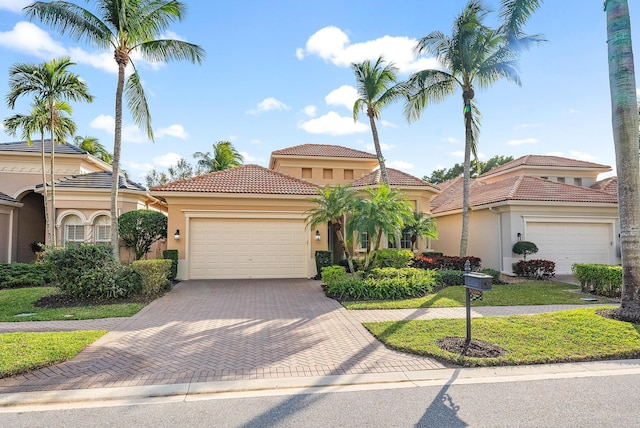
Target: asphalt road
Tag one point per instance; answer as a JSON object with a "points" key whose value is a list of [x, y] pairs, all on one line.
{"points": [[610, 401]]}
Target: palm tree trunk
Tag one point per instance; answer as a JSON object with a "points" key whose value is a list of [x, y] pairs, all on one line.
{"points": [[466, 174], [625, 137], [376, 144], [52, 211], [47, 221], [115, 171]]}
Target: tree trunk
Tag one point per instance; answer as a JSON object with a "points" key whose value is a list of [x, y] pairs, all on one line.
{"points": [[52, 211], [625, 137], [376, 144], [466, 174], [115, 171], [48, 240]]}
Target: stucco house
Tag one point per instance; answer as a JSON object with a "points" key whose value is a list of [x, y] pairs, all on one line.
{"points": [[248, 222], [83, 197], [555, 202]]}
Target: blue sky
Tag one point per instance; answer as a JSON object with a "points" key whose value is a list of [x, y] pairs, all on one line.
{"points": [[277, 74]]}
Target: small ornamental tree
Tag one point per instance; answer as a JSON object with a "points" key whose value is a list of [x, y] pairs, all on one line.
{"points": [[525, 248], [140, 229]]}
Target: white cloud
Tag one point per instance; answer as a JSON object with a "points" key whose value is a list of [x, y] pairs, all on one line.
{"points": [[457, 153], [130, 133], [451, 140], [345, 96], [167, 160], [176, 131], [333, 45], [554, 154], [383, 146], [269, 104], [250, 159], [333, 124], [255, 141], [27, 38], [388, 124], [310, 111], [521, 142], [583, 156], [401, 165], [14, 5]]}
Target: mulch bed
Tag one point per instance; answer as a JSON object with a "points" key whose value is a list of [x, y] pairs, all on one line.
{"points": [[475, 348], [65, 301]]}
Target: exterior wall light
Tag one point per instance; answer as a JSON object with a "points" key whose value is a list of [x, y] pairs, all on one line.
{"points": [[317, 235], [519, 235], [176, 236]]}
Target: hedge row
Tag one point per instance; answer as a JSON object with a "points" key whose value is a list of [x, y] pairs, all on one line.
{"points": [[603, 280], [445, 262], [24, 275]]}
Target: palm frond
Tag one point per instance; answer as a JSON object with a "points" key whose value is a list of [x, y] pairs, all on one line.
{"points": [[137, 103], [168, 49]]}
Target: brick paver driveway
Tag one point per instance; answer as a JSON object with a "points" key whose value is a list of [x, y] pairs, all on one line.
{"points": [[226, 329]]}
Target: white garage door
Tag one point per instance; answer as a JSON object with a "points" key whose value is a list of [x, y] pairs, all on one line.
{"points": [[568, 243], [247, 248]]}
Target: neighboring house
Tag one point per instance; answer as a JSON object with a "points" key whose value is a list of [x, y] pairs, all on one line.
{"points": [[249, 221], [555, 202], [83, 197]]}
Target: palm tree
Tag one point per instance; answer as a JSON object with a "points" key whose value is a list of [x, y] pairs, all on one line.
{"points": [[224, 156], [126, 27], [625, 136], [376, 90], [49, 82], [92, 146], [474, 55], [421, 225], [382, 211], [36, 123], [332, 205]]}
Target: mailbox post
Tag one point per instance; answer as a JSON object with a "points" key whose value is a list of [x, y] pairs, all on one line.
{"points": [[474, 283]]}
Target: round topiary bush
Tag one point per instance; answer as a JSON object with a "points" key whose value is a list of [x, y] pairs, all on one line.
{"points": [[524, 248]]}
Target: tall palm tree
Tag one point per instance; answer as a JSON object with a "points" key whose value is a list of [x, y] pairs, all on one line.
{"points": [[473, 55], [224, 156], [92, 146], [421, 225], [332, 205], [49, 82], [382, 211], [377, 88], [625, 137], [126, 27], [37, 123]]}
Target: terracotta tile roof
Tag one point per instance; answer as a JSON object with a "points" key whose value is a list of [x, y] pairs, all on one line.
{"points": [[545, 161], [396, 178], [6, 198], [518, 188], [242, 179], [35, 147], [323, 150], [96, 180], [609, 185]]}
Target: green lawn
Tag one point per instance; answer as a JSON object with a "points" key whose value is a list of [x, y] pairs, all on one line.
{"points": [[22, 352], [565, 336], [20, 301], [524, 293]]}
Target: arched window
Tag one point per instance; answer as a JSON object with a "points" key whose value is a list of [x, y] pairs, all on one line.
{"points": [[73, 230], [102, 230]]}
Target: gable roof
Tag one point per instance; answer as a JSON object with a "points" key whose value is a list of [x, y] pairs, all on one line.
{"points": [[36, 147], [609, 185], [6, 198], [96, 180], [242, 179], [518, 188], [323, 150], [555, 162], [396, 178]]}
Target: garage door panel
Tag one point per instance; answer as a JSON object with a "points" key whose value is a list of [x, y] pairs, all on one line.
{"points": [[247, 248]]}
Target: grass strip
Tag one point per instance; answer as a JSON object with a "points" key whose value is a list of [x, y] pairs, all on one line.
{"points": [[21, 301], [520, 294], [554, 337], [22, 352]]}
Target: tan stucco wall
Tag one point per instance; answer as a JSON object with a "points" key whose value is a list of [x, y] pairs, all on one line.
{"points": [[293, 166], [588, 176], [5, 233]]}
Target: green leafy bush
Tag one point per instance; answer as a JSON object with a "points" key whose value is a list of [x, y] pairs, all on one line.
{"points": [[333, 274], [154, 273], [323, 259], [24, 275], [451, 277], [491, 272], [384, 284], [391, 257], [536, 269], [524, 248], [90, 271], [445, 262], [173, 256], [603, 280], [140, 229]]}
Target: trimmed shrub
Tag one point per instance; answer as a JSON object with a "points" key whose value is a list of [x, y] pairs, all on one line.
{"points": [[493, 273], [24, 275], [524, 248], [432, 254], [154, 274], [140, 229], [357, 263], [173, 256], [603, 280], [445, 262], [323, 259], [333, 274], [90, 271], [451, 277], [536, 269], [392, 258]]}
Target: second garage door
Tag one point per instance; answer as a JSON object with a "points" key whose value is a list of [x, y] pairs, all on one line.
{"points": [[247, 248], [568, 243]]}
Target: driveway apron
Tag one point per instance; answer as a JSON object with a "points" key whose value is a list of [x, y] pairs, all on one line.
{"points": [[217, 330]]}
